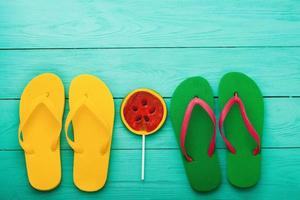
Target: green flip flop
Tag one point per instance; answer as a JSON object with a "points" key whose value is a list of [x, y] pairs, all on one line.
{"points": [[194, 124], [241, 120]]}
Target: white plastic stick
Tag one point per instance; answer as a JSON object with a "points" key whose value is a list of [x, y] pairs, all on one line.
{"points": [[143, 157]]}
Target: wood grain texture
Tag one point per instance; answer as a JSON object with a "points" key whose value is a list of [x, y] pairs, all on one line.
{"points": [[142, 23], [154, 44], [276, 70], [277, 133], [165, 178]]}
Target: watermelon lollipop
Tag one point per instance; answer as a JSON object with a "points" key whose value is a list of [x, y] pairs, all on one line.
{"points": [[143, 112]]}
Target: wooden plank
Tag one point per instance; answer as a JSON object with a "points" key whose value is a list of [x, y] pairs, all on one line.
{"points": [[165, 178], [281, 127], [75, 23], [276, 70]]}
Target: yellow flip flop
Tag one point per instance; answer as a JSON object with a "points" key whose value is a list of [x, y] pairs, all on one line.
{"points": [[92, 116], [41, 111]]}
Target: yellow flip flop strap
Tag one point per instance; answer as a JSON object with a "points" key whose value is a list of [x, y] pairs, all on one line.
{"points": [[91, 107], [41, 100]]}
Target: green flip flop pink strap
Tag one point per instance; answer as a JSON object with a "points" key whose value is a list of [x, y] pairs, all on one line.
{"points": [[242, 120], [187, 116], [194, 125], [236, 100]]}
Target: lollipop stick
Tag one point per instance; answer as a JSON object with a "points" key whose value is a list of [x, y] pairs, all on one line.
{"points": [[143, 156]]}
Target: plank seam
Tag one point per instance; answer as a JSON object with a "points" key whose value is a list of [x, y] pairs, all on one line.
{"points": [[158, 149], [121, 98], [140, 47]]}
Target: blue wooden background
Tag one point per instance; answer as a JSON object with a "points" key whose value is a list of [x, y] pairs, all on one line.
{"points": [[155, 44]]}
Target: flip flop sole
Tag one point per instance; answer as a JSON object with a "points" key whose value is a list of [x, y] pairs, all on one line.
{"points": [[243, 168], [44, 165], [90, 166], [203, 172]]}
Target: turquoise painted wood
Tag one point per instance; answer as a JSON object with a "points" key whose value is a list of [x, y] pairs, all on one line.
{"points": [[143, 23], [155, 44], [276, 70], [164, 179]]}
